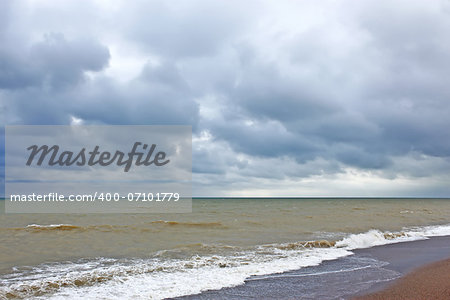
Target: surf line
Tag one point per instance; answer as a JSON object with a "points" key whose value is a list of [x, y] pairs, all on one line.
{"points": [[94, 157]]}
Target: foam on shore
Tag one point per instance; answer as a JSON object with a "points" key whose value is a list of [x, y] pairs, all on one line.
{"points": [[164, 275]]}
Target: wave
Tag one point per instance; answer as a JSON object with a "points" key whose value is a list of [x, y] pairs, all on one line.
{"points": [[153, 278], [112, 228], [189, 224], [164, 276], [376, 237], [359, 208], [52, 227], [305, 244], [74, 228]]}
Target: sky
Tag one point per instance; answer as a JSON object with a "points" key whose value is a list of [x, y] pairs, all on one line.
{"points": [[285, 98]]}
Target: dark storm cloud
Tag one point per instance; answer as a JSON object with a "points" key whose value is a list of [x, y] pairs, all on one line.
{"points": [[266, 139], [284, 88], [47, 82], [152, 98], [263, 91], [53, 62], [65, 62], [37, 83], [360, 104], [158, 96]]}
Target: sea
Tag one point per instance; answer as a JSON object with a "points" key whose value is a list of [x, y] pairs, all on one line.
{"points": [[224, 242]]}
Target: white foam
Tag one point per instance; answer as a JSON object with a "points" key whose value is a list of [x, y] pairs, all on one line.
{"points": [[192, 281], [438, 230], [376, 237], [49, 226], [158, 277]]}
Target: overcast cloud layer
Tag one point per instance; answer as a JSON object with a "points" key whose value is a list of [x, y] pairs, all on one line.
{"points": [[286, 98]]}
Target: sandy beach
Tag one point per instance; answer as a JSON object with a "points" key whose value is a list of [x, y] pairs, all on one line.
{"points": [[428, 282], [424, 266]]}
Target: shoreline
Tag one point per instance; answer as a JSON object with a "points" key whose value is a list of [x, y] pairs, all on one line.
{"points": [[407, 257], [427, 282], [377, 268]]}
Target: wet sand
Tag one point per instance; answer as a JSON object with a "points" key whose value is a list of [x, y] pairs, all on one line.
{"points": [[428, 282], [410, 257], [407, 256]]}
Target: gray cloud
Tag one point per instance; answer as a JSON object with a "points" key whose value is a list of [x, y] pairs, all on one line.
{"points": [[53, 62], [185, 29], [282, 90]]}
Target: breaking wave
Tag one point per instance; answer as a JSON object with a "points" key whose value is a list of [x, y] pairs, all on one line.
{"points": [[162, 276], [189, 224]]}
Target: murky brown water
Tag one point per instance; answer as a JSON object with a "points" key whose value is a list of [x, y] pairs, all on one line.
{"points": [[216, 228]]}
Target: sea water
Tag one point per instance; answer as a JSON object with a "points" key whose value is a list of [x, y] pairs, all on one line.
{"points": [[223, 243]]}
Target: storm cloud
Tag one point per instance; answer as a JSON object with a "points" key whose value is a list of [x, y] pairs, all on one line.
{"points": [[289, 98]]}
